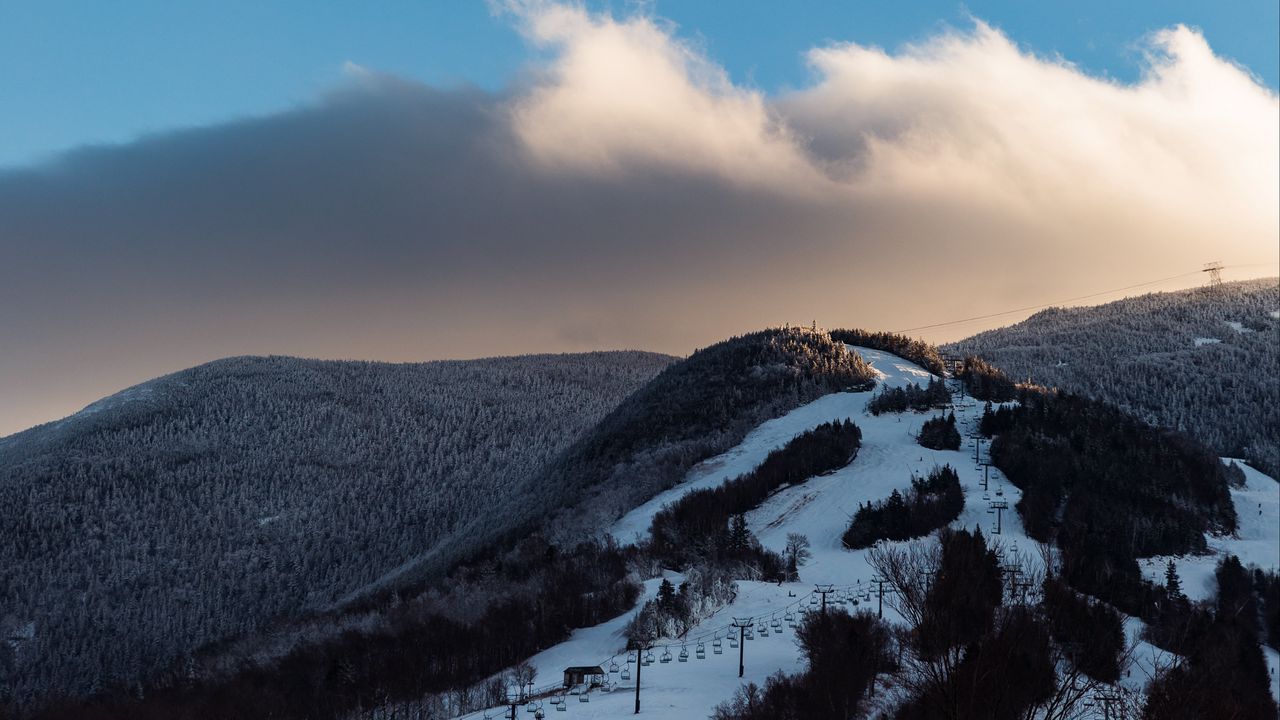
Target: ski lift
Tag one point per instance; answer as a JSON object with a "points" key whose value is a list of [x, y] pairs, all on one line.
{"points": [[613, 668], [584, 697], [764, 629], [532, 707], [733, 642], [626, 673], [776, 625], [666, 656], [717, 647], [813, 601], [701, 651], [684, 654], [648, 658], [631, 659], [562, 705], [751, 633]]}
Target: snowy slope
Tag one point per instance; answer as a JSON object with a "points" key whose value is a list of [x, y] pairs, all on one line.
{"points": [[820, 509]]}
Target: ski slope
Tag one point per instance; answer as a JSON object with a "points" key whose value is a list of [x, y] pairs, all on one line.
{"points": [[821, 509]]}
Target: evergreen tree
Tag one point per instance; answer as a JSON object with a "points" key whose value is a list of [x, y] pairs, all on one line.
{"points": [[666, 596], [1172, 584]]}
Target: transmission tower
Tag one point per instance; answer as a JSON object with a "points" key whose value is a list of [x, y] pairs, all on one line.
{"points": [[1215, 274]]}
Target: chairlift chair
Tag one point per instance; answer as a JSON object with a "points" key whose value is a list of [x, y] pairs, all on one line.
{"points": [[626, 673], [684, 654], [717, 647], [648, 658], [584, 697], [733, 642], [666, 656], [701, 651], [613, 668]]}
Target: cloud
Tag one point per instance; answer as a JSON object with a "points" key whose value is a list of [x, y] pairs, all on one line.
{"points": [[624, 192]]}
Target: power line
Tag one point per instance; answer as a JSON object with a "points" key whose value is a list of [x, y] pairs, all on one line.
{"points": [[1051, 304]]}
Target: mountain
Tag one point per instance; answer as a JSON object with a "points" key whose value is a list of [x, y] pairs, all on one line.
{"points": [[238, 509], [1202, 360], [727, 488], [209, 503]]}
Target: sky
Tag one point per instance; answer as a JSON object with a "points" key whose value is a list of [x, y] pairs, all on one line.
{"points": [[411, 180]]}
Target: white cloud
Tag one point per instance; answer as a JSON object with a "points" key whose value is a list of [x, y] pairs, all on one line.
{"points": [[1185, 161]]}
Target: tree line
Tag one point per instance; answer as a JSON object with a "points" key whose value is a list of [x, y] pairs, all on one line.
{"points": [[931, 503], [706, 524], [911, 397]]}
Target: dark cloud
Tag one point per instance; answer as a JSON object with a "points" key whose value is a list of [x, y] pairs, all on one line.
{"points": [[655, 206]]}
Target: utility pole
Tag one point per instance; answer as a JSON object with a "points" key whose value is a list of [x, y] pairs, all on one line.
{"points": [[823, 590], [879, 581], [997, 508], [742, 624]]}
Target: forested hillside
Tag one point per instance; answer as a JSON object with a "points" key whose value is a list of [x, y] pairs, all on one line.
{"points": [[1203, 361], [207, 503], [514, 592]]}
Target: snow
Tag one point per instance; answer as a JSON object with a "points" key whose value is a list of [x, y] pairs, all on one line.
{"points": [[820, 508], [1206, 341], [1237, 326]]}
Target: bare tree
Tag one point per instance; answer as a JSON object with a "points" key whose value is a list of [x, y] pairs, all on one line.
{"points": [[797, 554]]}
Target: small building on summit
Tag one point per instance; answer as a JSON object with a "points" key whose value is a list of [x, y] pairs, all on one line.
{"points": [[589, 675]]}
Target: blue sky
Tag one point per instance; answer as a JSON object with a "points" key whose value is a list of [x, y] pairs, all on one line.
{"points": [[74, 73]]}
